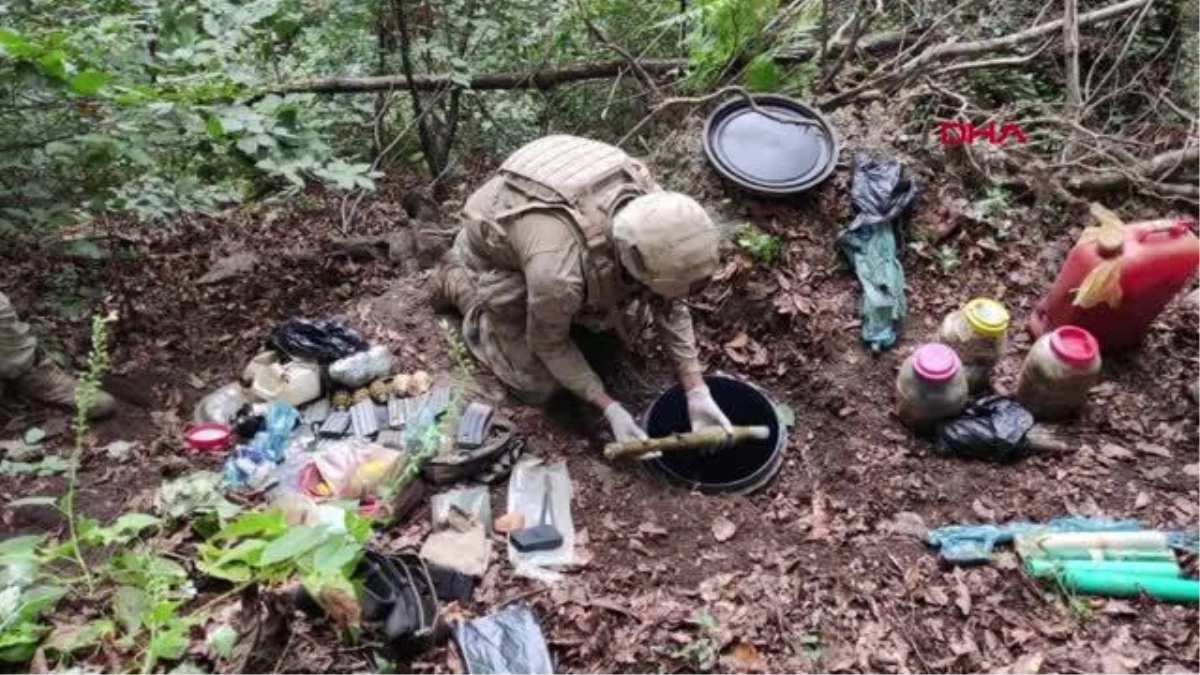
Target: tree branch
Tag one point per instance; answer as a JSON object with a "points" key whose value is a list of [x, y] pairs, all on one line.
{"points": [[636, 67], [1154, 168], [859, 23], [697, 100], [974, 48], [990, 63], [541, 79], [953, 50]]}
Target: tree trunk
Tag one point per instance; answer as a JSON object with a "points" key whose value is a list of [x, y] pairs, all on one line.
{"points": [[429, 145]]}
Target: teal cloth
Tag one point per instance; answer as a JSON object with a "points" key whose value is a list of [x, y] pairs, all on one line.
{"points": [[882, 194]]}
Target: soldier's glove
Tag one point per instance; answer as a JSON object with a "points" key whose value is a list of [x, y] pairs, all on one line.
{"points": [[704, 412], [624, 428]]}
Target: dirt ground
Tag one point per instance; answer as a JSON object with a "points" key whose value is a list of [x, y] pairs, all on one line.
{"points": [[817, 576]]}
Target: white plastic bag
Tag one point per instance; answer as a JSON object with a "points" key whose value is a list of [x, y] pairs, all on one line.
{"points": [[358, 370]]}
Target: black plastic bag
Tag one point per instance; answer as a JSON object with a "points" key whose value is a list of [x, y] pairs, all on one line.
{"points": [[509, 641], [992, 429], [882, 194], [398, 603], [450, 585], [320, 341]]}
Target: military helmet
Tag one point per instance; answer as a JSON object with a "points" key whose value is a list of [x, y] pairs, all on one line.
{"points": [[667, 242]]}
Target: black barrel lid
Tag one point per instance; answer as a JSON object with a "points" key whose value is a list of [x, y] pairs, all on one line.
{"points": [[766, 153]]}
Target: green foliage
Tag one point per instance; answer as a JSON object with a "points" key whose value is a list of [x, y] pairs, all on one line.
{"points": [[135, 106], [47, 466], [261, 547], [763, 247], [762, 74], [946, 258], [21, 628], [701, 652], [725, 30], [198, 497], [811, 646], [995, 201], [1029, 89]]}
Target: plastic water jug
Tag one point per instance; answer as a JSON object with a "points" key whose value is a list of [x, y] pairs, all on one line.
{"points": [[1118, 278], [931, 387], [1060, 369]]}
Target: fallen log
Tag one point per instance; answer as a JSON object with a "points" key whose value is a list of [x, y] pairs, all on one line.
{"points": [[874, 44], [540, 79], [1156, 167]]}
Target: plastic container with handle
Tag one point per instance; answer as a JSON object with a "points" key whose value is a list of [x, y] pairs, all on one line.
{"points": [[1118, 278]]}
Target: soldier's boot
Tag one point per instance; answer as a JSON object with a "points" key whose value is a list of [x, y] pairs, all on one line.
{"points": [[45, 382]]}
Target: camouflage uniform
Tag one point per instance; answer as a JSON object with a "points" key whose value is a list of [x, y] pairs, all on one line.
{"points": [[535, 255], [31, 374], [17, 346]]}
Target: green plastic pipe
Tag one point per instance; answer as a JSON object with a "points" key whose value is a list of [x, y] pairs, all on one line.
{"points": [[1099, 554], [1127, 585], [1046, 568]]}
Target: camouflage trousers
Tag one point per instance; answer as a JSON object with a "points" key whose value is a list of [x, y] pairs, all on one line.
{"points": [[493, 306], [17, 345]]}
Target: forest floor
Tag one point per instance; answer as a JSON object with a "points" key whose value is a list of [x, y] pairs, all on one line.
{"points": [[822, 573]]}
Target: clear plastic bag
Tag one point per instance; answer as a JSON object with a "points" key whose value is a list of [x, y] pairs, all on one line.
{"points": [[526, 495], [221, 405], [358, 370]]}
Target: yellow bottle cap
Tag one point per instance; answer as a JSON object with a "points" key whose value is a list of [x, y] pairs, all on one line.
{"points": [[986, 316]]}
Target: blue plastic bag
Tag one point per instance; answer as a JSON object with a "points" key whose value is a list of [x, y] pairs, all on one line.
{"points": [[252, 466], [281, 421]]}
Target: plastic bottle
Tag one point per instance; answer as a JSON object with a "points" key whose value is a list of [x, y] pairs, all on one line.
{"points": [[977, 333], [1117, 279], [1058, 372], [931, 387]]}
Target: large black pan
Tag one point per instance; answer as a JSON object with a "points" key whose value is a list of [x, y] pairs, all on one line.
{"points": [[782, 148]]}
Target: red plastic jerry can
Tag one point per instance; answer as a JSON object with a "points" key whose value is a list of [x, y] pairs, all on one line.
{"points": [[1137, 268]]}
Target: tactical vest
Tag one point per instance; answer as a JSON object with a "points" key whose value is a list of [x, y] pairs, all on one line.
{"points": [[586, 181]]}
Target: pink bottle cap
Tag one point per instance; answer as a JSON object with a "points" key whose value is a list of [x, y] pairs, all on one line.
{"points": [[935, 362], [1074, 345]]}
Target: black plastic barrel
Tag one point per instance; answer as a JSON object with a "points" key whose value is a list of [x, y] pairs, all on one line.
{"points": [[739, 470]]}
